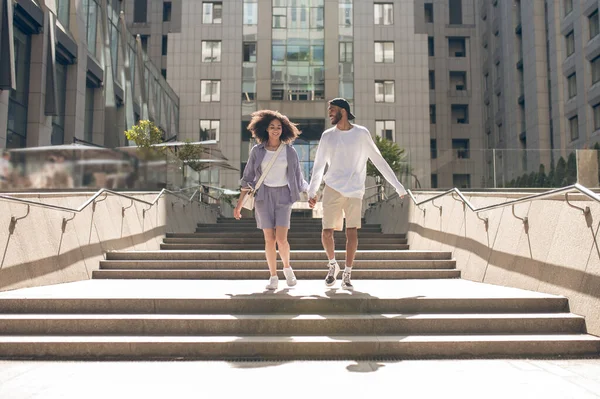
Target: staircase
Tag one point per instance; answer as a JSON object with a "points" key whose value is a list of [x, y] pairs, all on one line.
{"points": [[198, 298]]}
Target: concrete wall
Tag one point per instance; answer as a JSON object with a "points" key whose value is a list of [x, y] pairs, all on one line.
{"points": [[557, 253], [39, 251]]}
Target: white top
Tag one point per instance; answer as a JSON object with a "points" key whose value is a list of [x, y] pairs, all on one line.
{"points": [[277, 176], [346, 152]]}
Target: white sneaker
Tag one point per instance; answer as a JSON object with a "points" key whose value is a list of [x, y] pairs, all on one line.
{"points": [[290, 278], [273, 283], [346, 283], [334, 270]]}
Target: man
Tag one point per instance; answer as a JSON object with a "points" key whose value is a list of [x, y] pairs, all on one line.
{"points": [[345, 149]]}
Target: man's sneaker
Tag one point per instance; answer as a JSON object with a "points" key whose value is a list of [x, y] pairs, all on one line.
{"points": [[334, 270], [346, 283], [273, 283], [290, 278]]}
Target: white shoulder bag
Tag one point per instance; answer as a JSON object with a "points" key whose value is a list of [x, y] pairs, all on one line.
{"points": [[249, 198]]}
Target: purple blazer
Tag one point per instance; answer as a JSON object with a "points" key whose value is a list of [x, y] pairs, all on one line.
{"points": [[253, 171]]}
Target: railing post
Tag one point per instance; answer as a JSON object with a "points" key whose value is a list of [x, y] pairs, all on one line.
{"points": [[494, 164]]}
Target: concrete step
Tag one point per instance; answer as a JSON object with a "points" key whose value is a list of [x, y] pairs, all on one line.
{"points": [[246, 229], [243, 241], [252, 247], [289, 324], [263, 274], [298, 347], [257, 264], [260, 255], [291, 234]]}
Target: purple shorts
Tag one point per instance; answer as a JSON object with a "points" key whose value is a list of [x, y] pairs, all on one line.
{"points": [[275, 210]]}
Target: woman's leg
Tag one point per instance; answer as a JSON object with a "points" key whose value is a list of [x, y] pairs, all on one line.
{"points": [[270, 250], [283, 245]]}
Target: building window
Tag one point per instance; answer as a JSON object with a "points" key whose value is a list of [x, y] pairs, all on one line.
{"points": [[455, 10], [431, 80], [461, 180], [144, 41], [62, 12], [346, 51], [211, 51], [459, 114], [384, 52], [434, 180], [345, 13], [386, 129], [209, 129], [210, 91], [574, 128], [430, 46], [58, 121], [432, 114], [458, 80], [428, 13], [165, 42], [163, 72], [572, 85], [250, 13], [457, 47], [248, 90], [595, 69], [570, 41], [249, 52], [167, 6], [19, 98], [594, 24], [568, 4], [460, 147], [279, 17], [433, 148], [384, 13], [140, 11], [347, 90], [384, 91], [88, 124], [596, 109], [212, 12]]}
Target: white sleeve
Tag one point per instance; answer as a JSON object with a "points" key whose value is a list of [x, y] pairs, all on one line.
{"points": [[321, 160], [382, 166]]}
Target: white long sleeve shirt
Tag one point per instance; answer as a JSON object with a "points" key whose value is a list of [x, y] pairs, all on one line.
{"points": [[346, 152]]}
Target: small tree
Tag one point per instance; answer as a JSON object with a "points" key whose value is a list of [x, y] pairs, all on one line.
{"points": [[190, 154], [392, 153], [394, 156], [571, 173], [144, 134]]}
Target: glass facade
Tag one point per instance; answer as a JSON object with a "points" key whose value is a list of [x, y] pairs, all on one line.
{"points": [[346, 59], [58, 121], [298, 50], [18, 99]]}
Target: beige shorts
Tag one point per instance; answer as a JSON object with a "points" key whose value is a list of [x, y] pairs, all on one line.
{"points": [[336, 207]]}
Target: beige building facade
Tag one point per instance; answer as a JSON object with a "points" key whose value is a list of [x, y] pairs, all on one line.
{"points": [[226, 59]]}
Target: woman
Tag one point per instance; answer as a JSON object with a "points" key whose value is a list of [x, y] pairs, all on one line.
{"points": [[280, 189]]}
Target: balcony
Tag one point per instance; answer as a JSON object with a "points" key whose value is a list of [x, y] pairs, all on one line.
{"points": [[521, 99], [518, 29]]}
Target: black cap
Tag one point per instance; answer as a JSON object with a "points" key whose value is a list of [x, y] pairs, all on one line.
{"points": [[342, 103]]}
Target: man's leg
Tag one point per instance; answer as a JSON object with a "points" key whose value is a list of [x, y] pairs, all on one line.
{"points": [[353, 211], [351, 245], [332, 220]]}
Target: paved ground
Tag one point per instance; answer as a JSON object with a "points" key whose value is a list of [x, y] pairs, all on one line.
{"points": [[578, 379], [309, 289]]}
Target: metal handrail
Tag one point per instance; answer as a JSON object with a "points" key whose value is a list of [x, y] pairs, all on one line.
{"points": [[102, 191], [567, 189]]}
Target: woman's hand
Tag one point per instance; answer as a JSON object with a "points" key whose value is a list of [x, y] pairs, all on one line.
{"points": [[237, 213]]}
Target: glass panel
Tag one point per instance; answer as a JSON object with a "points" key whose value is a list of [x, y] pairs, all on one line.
{"points": [[63, 12]]}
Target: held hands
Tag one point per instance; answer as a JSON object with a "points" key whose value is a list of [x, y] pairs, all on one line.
{"points": [[312, 202]]}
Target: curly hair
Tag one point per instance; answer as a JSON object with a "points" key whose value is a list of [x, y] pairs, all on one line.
{"points": [[261, 120]]}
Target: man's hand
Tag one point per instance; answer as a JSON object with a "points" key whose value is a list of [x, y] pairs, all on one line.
{"points": [[312, 202]]}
